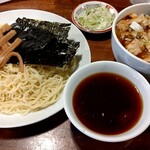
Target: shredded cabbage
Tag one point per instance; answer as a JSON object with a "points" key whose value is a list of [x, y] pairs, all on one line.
{"points": [[98, 18]]}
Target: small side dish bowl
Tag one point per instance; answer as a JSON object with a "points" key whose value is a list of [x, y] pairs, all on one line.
{"points": [[94, 16], [90, 101], [120, 52]]}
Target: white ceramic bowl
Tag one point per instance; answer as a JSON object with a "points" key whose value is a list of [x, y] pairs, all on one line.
{"points": [[120, 53], [139, 1], [81, 8], [111, 67]]}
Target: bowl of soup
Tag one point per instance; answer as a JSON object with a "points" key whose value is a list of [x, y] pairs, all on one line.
{"points": [[108, 101], [131, 37]]}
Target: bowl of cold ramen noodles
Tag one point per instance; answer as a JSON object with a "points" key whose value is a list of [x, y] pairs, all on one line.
{"points": [[131, 37], [108, 101]]}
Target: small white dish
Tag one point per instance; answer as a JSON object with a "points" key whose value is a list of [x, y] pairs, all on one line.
{"points": [[94, 16]]}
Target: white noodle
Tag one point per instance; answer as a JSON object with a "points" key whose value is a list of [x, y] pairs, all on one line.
{"points": [[37, 88]]}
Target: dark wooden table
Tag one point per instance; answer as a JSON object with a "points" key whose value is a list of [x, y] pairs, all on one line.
{"points": [[56, 132]]}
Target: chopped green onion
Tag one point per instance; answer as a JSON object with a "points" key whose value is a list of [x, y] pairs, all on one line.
{"points": [[98, 18]]}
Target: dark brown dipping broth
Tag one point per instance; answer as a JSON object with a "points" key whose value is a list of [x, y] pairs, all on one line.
{"points": [[107, 103]]}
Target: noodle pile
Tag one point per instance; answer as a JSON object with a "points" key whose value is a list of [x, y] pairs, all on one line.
{"points": [[36, 88]]}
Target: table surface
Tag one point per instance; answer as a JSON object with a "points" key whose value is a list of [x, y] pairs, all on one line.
{"points": [[56, 132]]}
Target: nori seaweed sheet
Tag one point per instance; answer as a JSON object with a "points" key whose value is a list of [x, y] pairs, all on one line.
{"points": [[44, 42]]}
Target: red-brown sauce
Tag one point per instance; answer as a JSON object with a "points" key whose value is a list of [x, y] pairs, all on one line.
{"points": [[145, 52], [107, 103]]}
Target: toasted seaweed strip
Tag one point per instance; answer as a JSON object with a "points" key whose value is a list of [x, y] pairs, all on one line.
{"points": [[44, 43], [59, 29]]}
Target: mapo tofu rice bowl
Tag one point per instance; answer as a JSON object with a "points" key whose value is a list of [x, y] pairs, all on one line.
{"points": [[131, 37]]}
